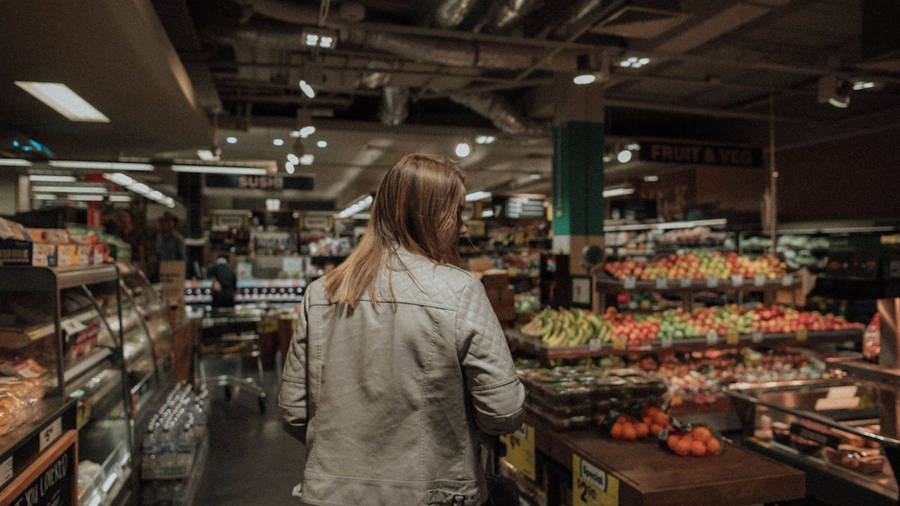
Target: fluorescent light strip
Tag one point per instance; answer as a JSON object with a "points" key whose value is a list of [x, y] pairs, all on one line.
{"points": [[120, 198], [14, 162], [69, 189], [119, 178], [84, 164], [475, 196], [85, 198], [44, 196], [63, 100], [51, 178], [715, 222], [206, 155], [357, 207], [307, 159], [220, 169], [618, 192]]}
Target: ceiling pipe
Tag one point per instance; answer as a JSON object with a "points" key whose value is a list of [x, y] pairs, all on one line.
{"points": [[501, 114], [450, 13], [507, 13], [306, 14], [394, 105]]}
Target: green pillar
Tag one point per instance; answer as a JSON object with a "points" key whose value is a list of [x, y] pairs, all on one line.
{"points": [[578, 208]]}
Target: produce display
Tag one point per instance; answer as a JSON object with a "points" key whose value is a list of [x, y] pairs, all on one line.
{"points": [[696, 442], [699, 266], [565, 327], [653, 421]]}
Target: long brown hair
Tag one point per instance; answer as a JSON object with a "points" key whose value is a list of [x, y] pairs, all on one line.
{"points": [[418, 207]]}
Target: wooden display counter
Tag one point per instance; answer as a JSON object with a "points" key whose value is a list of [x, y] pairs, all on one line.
{"points": [[648, 475]]}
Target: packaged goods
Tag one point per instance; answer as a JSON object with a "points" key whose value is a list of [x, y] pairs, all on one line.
{"points": [[15, 244]]}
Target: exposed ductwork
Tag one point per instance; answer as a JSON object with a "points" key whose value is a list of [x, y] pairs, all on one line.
{"points": [[581, 11], [305, 14], [374, 80], [450, 13], [506, 13], [394, 105], [501, 114]]}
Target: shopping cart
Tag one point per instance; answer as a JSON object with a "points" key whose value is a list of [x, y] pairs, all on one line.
{"points": [[225, 334]]}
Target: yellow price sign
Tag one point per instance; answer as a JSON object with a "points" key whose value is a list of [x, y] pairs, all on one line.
{"points": [[620, 343], [802, 335], [732, 338], [520, 450], [592, 486]]}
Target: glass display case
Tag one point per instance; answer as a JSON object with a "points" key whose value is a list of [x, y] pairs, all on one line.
{"points": [[61, 335]]}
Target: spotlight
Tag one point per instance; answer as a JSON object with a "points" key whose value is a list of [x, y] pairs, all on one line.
{"points": [[834, 91], [624, 156], [463, 149], [278, 142]]}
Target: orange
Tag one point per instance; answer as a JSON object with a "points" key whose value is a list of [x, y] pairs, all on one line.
{"points": [[616, 431], [698, 449], [628, 432], [661, 418], [683, 447], [713, 445], [655, 429], [673, 441], [701, 434], [641, 430]]}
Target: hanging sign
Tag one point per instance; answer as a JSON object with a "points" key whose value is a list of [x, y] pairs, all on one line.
{"points": [[592, 486], [700, 154], [259, 182], [520, 450]]}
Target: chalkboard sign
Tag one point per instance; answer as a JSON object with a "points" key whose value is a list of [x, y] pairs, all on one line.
{"points": [[50, 480]]}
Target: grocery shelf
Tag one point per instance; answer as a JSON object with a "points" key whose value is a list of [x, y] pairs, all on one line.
{"points": [[608, 284], [85, 364], [866, 371], [28, 278], [533, 347], [13, 337]]}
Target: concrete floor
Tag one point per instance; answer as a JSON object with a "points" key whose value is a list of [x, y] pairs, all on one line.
{"points": [[251, 459]]}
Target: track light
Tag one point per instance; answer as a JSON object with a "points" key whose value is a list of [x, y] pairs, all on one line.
{"points": [[834, 91], [463, 149]]}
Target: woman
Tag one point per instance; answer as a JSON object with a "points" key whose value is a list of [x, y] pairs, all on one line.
{"points": [[399, 363]]}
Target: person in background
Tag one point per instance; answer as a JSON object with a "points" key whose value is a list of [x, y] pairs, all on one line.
{"points": [[399, 366], [169, 243], [125, 230], [224, 282]]}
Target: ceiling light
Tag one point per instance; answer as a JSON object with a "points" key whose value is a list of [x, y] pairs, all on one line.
{"points": [[83, 164], [278, 141], [534, 176], [69, 189], [85, 198], [220, 169], [44, 196], [206, 155], [462, 149], [834, 91], [357, 207], [617, 192], [485, 139], [307, 131], [140, 188], [307, 89], [295, 134], [863, 85], [320, 37], [487, 213], [651, 179], [273, 204], [14, 162], [51, 178], [231, 140], [119, 178], [307, 159], [289, 167], [634, 62], [624, 156], [321, 144], [475, 196], [63, 100], [155, 195], [633, 146], [121, 197], [291, 157], [582, 79]]}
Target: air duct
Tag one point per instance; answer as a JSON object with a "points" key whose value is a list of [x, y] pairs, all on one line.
{"points": [[394, 105], [501, 114], [305, 14], [506, 13], [450, 13]]}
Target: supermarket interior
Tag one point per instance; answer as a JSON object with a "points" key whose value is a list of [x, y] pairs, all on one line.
{"points": [[685, 215]]}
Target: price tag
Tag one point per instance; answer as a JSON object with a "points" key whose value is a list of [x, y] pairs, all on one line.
{"points": [[629, 283], [712, 338], [756, 337], [802, 335], [72, 326], [595, 344], [737, 280], [520, 450], [662, 283], [50, 434], [787, 280], [732, 338], [592, 486], [686, 282], [712, 282], [759, 279], [6, 471], [665, 342], [41, 332], [620, 343]]}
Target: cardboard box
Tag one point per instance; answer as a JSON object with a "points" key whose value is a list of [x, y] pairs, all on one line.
{"points": [[67, 255], [171, 276], [85, 255], [44, 255], [15, 252]]}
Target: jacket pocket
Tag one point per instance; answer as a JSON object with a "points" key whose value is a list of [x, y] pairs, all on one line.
{"points": [[445, 497]]}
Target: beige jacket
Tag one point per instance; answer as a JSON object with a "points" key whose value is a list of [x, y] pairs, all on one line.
{"points": [[390, 398]]}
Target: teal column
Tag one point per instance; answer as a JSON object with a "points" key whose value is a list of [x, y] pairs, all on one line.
{"points": [[578, 208]]}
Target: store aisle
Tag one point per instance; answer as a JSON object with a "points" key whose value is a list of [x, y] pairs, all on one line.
{"points": [[251, 459]]}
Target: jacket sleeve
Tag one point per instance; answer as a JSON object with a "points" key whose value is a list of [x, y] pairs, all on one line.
{"points": [[292, 394], [497, 396]]}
